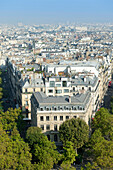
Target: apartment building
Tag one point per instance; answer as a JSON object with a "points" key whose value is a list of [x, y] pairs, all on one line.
{"points": [[23, 83], [49, 113]]}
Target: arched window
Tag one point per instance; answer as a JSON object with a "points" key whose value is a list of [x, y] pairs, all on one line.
{"points": [[48, 136], [55, 138]]}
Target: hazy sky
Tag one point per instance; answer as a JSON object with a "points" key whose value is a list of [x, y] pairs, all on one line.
{"points": [[55, 11]]}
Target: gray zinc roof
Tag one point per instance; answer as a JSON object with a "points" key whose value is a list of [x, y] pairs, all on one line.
{"points": [[81, 99]]}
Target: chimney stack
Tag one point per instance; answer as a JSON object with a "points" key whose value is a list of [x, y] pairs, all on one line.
{"points": [[69, 99]]}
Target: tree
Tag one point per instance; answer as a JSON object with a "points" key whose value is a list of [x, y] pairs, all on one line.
{"points": [[68, 155], [14, 152], [101, 151], [32, 135], [74, 130], [9, 118], [104, 121], [43, 151]]}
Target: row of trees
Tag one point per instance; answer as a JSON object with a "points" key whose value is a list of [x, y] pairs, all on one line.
{"points": [[97, 148], [35, 151], [38, 153]]}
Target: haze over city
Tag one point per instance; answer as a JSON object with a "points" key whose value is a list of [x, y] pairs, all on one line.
{"points": [[55, 11], [56, 84]]}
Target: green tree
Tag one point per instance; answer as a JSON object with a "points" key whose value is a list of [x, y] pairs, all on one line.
{"points": [[101, 150], [9, 118], [43, 151], [32, 135], [14, 152], [90, 166], [74, 130], [104, 121], [68, 154]]}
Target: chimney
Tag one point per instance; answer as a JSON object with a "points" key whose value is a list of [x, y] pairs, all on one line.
{"points": [[84, 79], [69, 99]]}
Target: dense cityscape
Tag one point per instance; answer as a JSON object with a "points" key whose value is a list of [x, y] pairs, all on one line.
{"points": [[56, 98]]}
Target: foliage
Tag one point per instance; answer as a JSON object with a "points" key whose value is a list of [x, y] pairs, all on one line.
{"points": [[14, 152], [9, 118], [101, 150], [32, 135], [104, 121], [65, 166], [69, 154], [92, 166], [74, 130], [43, 151]]}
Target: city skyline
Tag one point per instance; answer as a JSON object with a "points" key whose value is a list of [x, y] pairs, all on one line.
{"points": [[55, 11]]}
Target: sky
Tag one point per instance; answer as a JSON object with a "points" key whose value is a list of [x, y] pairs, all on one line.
{"points": [[55, 11]]}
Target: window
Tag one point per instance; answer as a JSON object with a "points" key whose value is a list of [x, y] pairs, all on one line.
{"points": [[41, 89], [58, 85], [66, 90], [41, 118], [47, 118], [34, 90], [26, 97], [67, 117], [55, 138], [64, 83], [52, 84], [55, 117], [61, 117], [48, 136], [58, 91], [67, 108], [75, 117], [61, 108], [55, 127], [74, 108], [41, 109], [47, 108], [55, 108], [50, 91], [47, 127], [26, 102], [26, 90], [73, 88], [89, 88], [42, 127], [82, 88]]}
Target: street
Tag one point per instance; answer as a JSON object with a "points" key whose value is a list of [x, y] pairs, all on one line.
{"points": [[108, 96], [7, 95]]}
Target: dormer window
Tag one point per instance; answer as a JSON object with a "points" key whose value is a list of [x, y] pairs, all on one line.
{"points": [[47, 109], [61, 108], [41, 109], [74, 108], [55, 108], [67, 108]]}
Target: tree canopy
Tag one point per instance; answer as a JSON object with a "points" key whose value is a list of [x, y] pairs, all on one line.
{"points": [[101, 150], [104, 121], [43, 151], [14, 152], [74, 130]]}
